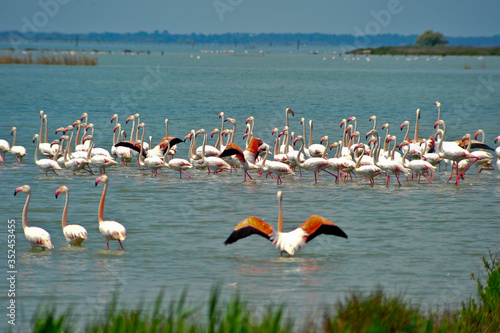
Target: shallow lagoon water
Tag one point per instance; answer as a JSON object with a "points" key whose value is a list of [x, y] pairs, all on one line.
{"points": [[423, 240]]}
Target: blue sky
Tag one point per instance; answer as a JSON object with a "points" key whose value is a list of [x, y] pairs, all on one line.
{"points": [[452, 18]]}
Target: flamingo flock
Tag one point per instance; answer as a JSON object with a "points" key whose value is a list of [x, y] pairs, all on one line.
{"points": [[74, 151]]}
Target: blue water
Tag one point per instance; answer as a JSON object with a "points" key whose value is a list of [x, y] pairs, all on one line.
{"points": [[422, 240]]}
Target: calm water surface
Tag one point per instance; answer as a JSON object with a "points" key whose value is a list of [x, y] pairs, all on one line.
{"points": [[423, 240]]}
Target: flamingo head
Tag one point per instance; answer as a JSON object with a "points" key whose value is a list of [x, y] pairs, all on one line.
{"points": [[496, 139], [25, 188], [374, 117], [200, 131], [405, 123], [62, 189], [439, 122], [116, 127], [249, 119], [132, 117], [323, 139], [221, 115], [69, 128], [41, 113], [13, 130], [231, 120], [418, 113], [76, 123], [437, 104], [115, 116], [274, 130], [344, 121], [335, 144], [35, 137], [88, 137], [477, 134], [298, 138], [89, 126], [288, 110], [101, 178], [84, 115], [351, 119], [189, 136], [216, 130], [385, 125], [370, 133]]}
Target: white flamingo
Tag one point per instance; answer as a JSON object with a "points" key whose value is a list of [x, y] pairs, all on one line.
{"points": [[73, 233], [45, 165], [37, 237], [110, 230], [4, 149], [18, 151]]}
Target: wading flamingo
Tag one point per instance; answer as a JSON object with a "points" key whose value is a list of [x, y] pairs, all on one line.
{"points": [[18, 151], [110, 230], [275, 167], [75, 234], [45, 165], [286, 242], [37, 237]]}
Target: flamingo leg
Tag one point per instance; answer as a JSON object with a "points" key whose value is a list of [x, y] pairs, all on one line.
{"points": [[187, 174], [452, 169], [334, 175], [121, 244], [107, 245], [247, 174], [427, 178]]}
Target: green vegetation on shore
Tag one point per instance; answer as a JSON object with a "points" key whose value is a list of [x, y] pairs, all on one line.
{"points": [[376, 312], [441, 50]]}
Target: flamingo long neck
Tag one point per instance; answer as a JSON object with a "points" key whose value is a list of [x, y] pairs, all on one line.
{"points": [[217, 143], [193, 144], [326, 148], [480, 132], [65, 211], [132, 135], [374, 122], [358, 161], [166, 128], [416, 126], [221, 115], [37, 148], [393, 153], [142, 143], [68, 147], [301, 149], [265, 160], [405, 162], [77, 139], [203, 147], [234, 131], [100, 213], [440, 142], [310, 133], [15, 137], [46, 128], [407, 132], [280, 215], [25, 210], [137, 133], [355, 125], [91, 145], [40, 135]]}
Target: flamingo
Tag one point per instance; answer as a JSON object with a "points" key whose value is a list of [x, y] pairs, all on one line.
{"points": [[212, 162], [414, 147], [100, 161], [418, 166], [367, 171], [177, 164], [197, 163], [388, 166], [75, 234], [275, 167], [4, 149], [44, 147], [312, 150], [245, 159], [37, 237], [286, 242], [110, 230], [313, 164], [45, 165], [18, 151], [453, 152]]}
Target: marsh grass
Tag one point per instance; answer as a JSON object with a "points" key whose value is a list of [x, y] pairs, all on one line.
{"points": [[375, 312], [49, 59]]}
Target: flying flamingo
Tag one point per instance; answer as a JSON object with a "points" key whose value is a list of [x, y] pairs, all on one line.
{"points": [[110, 230], [37, 237], [286, 242], [18, 151], [45, 165], [452, 152], [75, 234]]}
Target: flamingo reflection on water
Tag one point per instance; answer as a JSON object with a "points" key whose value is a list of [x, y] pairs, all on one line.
{"points": [[286, 242]]}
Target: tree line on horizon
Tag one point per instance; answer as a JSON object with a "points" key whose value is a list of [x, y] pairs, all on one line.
{"points": [[17, 37]]}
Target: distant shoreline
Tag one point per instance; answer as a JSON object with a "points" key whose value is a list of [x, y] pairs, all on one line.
{"points": [[430, 50]]}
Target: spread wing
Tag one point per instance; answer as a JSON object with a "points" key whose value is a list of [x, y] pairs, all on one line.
{"points": [[317, 225], [249, 226]]}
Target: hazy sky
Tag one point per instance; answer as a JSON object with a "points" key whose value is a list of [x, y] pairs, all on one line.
{"points": [[451, 17]]}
